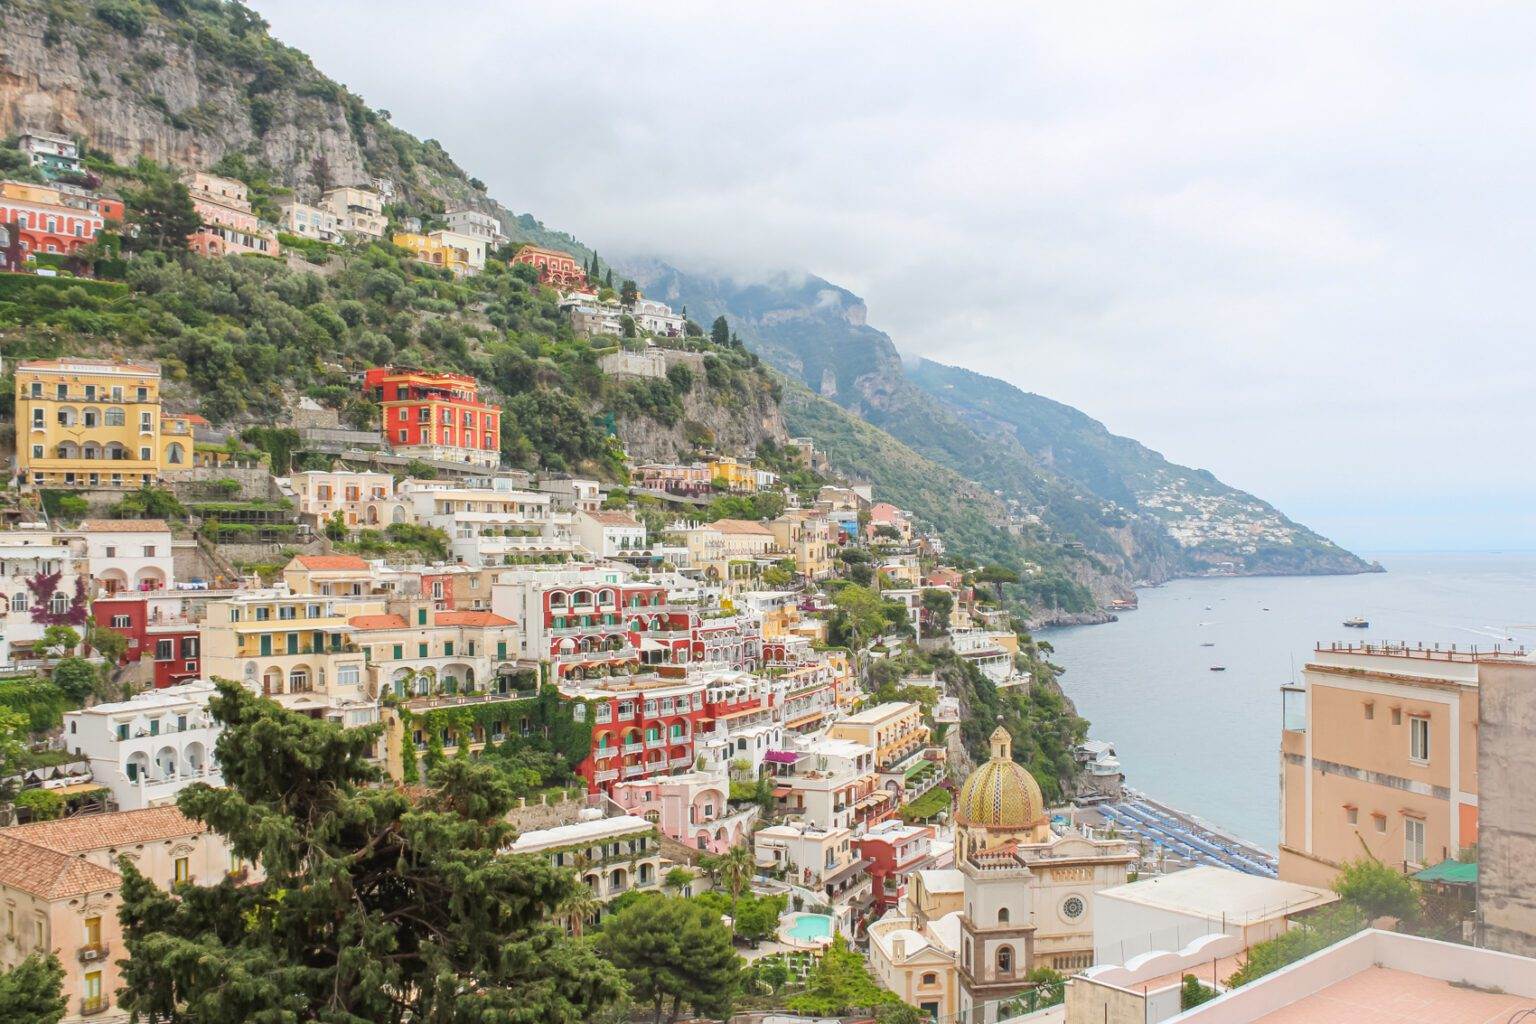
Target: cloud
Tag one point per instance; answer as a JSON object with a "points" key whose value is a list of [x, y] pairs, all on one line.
{"points": [[1290, 245]]}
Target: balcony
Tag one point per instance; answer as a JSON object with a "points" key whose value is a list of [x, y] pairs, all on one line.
{"points": [[608, 775], [634, 771], [632, 748], [686, 761], [94, 951], [656, 742], [92, 1005]]}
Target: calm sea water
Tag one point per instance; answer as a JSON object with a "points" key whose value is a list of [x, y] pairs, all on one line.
{"points": [[1208, 742]]}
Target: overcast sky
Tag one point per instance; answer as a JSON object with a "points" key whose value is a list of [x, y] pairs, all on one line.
{"points": [[1293, 246]]}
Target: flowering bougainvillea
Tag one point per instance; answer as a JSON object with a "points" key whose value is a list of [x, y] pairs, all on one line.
{"points": [[43, 586]]}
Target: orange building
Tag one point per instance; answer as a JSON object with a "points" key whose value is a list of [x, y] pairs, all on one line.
{"points": [[555, 267], [1379, 758], [430, 415]]}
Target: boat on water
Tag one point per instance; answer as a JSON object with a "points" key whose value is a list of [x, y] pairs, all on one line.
{"points": [[1218, 668], [1209, 643], [1358, 622]]}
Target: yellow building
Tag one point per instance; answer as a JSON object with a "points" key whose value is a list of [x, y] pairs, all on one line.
{"points": [[434, 250], [807, 536], [737, 476], [95, 423], [895, 731]]}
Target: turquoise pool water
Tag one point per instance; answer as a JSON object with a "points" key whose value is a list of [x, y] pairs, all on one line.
{"points": [[808, 927]]}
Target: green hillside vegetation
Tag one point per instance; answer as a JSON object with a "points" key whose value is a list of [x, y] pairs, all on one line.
{"points": [[966, 516], [241, 336]]}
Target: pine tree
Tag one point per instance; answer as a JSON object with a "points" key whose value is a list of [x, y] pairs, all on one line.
{"points": [[30, 992], [161, 218], [608, 281], [674, 953], [720, 332], [372, 907]]}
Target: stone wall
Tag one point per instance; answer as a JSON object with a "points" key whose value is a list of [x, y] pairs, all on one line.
{"points": [[543, 813], [1506, 766]]}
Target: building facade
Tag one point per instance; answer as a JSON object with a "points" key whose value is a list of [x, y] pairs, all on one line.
{"points": [[1379, 758], [430, 415], [230, 226], [557, 269], [95, 423]]}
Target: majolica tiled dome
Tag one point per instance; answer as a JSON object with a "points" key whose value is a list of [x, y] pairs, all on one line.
{"points": [[1000, 795]]}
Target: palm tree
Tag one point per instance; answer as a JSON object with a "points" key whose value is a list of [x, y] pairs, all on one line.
{"points": [[579, 905], [735, 869]]}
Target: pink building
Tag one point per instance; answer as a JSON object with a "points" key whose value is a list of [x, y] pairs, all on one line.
{"points": [[230, 226], [690, 808]]}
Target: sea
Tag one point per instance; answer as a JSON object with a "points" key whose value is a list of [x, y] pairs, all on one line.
{"points": [[1208, 742]]}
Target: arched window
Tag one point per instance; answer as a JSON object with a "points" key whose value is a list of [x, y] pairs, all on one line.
{"points": [[174, 454], [930, 978], [1002, 915], [1005, 960], [298, 681]]}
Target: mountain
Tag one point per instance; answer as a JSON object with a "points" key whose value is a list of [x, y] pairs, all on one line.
{"points": [[1064, 479], [196, 82]]}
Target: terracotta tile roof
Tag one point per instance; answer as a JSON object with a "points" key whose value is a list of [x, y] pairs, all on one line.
{"points": [[741, 526], [196, 420], [615, 518], [125, 526], [377, 622], [472, 619], [87, 832], [331, 562], [48, 874]]}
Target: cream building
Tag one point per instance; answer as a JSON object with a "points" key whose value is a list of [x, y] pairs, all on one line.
{"points": [[298, 649], [610, 856], [359, 495], [807, 537], [60, 892]]}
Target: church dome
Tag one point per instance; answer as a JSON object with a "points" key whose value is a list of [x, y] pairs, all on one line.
{"points": [[1000, 795]]}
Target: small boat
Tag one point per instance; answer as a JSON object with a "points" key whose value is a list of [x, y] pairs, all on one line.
{"points": [[1358, 622], [1209, 643], [1218, 668]]}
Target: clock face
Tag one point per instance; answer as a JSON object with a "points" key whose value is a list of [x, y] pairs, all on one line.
{"points": [[1073, 907]]}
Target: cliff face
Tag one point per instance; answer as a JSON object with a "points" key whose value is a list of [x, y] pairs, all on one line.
{"points": [[734, 422]]}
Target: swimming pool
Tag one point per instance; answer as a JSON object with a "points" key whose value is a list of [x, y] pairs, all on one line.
{"points": [[808, 928]]}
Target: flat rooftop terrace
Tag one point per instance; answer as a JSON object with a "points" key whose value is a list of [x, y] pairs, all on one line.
{"points": [[1384, 995]]}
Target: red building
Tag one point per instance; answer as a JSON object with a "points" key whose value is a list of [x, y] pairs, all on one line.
{"points": [[556, 268], [643, 732], [55, 218], [893, 850], [157, 630], [430, 415]]}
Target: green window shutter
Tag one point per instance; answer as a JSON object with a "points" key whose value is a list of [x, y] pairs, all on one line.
{"points": [[421, 650], [447, 648], [501, 650], [421, 616], [399, 651]]}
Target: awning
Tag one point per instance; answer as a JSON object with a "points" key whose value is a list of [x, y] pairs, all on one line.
{"points": [[782, 791], [1451, 872], [838, 876], [76, 788]]}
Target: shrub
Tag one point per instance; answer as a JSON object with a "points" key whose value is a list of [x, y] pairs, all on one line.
{"points": [[42, 804]]}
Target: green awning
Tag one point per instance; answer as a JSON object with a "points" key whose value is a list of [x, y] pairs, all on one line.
{"points": [[1453, 872]]}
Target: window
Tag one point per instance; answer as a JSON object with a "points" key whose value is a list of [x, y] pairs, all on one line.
{"points": [[1397, 716], [421, 650], [91, 998], [58, 604], [1370, 711], [1413, 840], [447, 648], [189, 646], [399, 651], [1352, 815], [1418, 739], [143, 395], [121, 622], [149, 551], [1380, 821], [183, 869], [93, 931], [1005, 960], [165, 649], [1002, 915], [37, 389], [37, 451], [37, 419], [143, 454], [1073, 907], [146, 422], [18, 602]]}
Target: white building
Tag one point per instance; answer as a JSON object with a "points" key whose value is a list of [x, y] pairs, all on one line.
{"points": [[490, 525], [150, 747], [41, 577], [609, 855], [473, 245], [610, 534], [128, 554], [652, 317], [477, 225], [1170, 911]]}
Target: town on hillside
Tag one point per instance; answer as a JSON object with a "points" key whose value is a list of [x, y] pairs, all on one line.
{"points": [[747, 735]]}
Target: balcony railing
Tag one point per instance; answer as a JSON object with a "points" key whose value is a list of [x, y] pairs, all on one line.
{"points": [[92, 1004], [634, 771], [633, 748], [94, 951], [605, 776]]}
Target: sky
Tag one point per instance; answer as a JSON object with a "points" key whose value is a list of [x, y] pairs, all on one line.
{"points": [[1291, 244]]}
